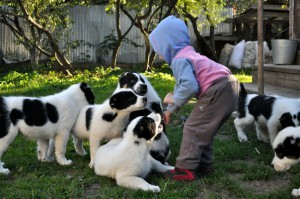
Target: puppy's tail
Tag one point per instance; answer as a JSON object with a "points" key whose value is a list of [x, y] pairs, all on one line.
{"points": [[243, 92], [4, 118]]}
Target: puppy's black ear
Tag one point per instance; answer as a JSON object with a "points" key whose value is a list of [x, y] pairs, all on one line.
{"points": [[123, 82], [141, 78], [286, 120], [279, 150], [289, 148]]}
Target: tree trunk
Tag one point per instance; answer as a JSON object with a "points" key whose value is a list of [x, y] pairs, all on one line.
{"points": [[212, 39], [151, 59], [115, 53], [202, 46]]}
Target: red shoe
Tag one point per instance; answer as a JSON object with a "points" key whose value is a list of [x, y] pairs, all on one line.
{"points": [[179, 174]]}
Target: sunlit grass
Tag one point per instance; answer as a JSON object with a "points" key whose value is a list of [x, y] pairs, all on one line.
{"points": [[240, 170]]}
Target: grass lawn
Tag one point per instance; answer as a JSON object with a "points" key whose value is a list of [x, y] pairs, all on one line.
{"points": [[242, 169]]}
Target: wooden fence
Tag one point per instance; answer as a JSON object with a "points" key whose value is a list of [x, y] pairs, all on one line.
{"points": [[91, 25]]}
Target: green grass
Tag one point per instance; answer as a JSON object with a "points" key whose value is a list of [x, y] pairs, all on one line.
{"points": [[242, 169]]}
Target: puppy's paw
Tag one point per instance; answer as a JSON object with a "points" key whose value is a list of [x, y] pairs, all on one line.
{"points": [[243, 138], [65, 162], [154, 188], [235, 114], [170, 167], [81, 152], [91, 165], [46, 159], [296, 192], [4, 171]]}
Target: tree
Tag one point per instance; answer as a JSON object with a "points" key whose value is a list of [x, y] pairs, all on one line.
{"points": [[145, 12], [115, 5], [47, 20], [203, 13]]}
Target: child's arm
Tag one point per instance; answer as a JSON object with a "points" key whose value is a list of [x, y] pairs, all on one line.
{"points": [[186, 84]]}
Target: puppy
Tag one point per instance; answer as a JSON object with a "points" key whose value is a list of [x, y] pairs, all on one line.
{"points": [[127, 159], [287, 148], [105, 121], [287, 151], [140, 84], [265, 112], [160, 147], [42, 119]]}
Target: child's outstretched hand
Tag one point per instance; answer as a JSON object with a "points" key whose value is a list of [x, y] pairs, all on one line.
{"points": [[168, 100], [167, 117]]}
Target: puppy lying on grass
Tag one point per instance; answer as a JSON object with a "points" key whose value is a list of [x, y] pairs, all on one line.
{"points": [[128, 159]]}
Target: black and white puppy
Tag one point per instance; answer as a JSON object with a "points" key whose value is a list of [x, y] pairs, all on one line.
{"points": [[287, 148], [287, 151], [105, 121], [42, 119], [268, 113], [160, 147], [127, 159]]}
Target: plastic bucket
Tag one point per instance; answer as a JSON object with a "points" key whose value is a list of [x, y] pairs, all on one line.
{"points": [[283, 51]]}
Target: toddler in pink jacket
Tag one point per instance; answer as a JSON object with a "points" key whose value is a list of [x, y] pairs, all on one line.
{"points": [[196, 76]]}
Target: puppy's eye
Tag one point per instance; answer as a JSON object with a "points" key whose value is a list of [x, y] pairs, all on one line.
{"points": [[132, 81], [280, 155]]}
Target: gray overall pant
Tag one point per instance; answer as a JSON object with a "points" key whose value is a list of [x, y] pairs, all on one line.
{"points": [[211, 111]]}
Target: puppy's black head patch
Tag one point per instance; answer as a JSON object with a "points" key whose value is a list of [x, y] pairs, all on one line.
{"points": [[290, 148], [286, 120], [122, 100], [145, 128], [129, 80], [89, 95]]}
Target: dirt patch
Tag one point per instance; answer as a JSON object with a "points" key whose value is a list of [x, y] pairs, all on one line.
{"points": [[224, 137], [223, 192], [92, 190], [265, 187]]}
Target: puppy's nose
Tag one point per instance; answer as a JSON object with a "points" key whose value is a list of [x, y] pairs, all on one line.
{"points": [[144, 89], [272, 165]]}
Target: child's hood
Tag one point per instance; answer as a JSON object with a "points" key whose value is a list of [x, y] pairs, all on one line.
{"points": [[170, 36]]}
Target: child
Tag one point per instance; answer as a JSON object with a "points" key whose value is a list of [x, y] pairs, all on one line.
{"points": [[196, 76]]}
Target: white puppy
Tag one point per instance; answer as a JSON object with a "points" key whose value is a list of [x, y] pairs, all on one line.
{"points": [[269, 113], [287, 148], [127, 159], [105, 121], [160, 148], [287, 151], [43, 119]]}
